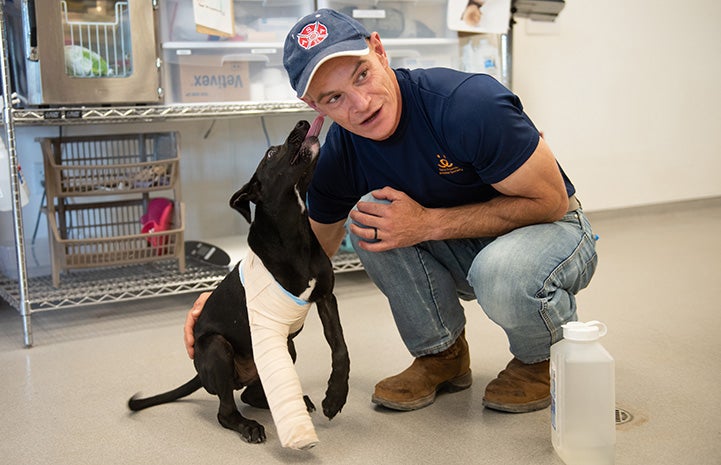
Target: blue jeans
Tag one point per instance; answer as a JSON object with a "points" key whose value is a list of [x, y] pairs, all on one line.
{"points": [[525, 281]]}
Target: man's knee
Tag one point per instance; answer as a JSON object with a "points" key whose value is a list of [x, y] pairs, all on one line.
{"points": [[355, 239], [502, 287]]}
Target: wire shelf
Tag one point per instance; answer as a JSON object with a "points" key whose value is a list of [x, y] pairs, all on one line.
{"points": [[149, 113], [119, 284], [116, 284]]}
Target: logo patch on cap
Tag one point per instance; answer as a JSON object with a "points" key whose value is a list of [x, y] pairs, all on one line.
{"points": [[312, 35]]}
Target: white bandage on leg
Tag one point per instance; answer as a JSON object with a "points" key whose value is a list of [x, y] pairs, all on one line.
{"points": [[274, 314]]}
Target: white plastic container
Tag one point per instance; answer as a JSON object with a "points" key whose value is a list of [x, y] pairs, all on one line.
{"points": [[583, 426], [481, 56]]}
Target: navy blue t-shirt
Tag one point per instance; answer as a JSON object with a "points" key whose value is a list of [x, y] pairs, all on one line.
{"points": [[458, 134]]}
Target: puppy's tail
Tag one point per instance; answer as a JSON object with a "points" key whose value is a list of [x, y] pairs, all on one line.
{"points": [[135, 403]]}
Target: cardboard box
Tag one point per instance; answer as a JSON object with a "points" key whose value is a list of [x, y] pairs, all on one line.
{"points": [[211, 78]]}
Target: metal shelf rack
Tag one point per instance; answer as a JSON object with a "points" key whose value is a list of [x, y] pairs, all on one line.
{"points": [[127, 283], [147, 113], [29, 295]]}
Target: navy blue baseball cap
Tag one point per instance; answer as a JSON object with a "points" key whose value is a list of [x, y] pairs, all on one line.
{"points": [[316, 39]]}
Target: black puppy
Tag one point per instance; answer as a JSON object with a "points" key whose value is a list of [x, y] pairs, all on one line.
{"points": [[280, 235]]}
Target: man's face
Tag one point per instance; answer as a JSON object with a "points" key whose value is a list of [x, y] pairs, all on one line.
{"points": [[359, 93]]}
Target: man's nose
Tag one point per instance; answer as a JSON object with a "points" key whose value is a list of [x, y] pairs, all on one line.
{"points": [[360, 100]]}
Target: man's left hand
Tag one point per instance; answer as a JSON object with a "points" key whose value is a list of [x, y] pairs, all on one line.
{"points": [[401, 222]]}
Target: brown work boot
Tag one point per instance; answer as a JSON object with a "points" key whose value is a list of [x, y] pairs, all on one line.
{"points": [[417, 385], [520, 388]]}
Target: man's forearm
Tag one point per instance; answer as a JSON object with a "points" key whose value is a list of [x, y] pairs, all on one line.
{"points": [[491, 219], [330, 236]]}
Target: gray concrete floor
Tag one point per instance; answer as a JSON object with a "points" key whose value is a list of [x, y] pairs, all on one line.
{"points": [[657, 286]]}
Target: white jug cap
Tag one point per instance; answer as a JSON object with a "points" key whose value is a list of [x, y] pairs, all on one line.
{"points": [[578, 331]]}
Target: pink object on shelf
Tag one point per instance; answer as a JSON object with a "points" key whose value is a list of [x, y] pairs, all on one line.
{"points": [[158, 218]]}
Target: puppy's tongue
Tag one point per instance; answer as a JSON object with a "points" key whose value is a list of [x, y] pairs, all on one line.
{"points": [[315, 127]]}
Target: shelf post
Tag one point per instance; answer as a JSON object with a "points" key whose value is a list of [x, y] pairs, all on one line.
{"points": [[507, 55], [14, 185]]}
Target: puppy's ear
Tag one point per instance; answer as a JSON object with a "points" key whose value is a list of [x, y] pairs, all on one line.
{"points": [[240, 201]]}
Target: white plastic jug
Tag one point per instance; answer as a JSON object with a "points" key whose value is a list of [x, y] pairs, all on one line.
{"points": [[480, 56], [583, 425]]}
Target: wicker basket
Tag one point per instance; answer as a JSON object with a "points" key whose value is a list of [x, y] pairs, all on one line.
{"points": [[89, 235], [112, 164]]}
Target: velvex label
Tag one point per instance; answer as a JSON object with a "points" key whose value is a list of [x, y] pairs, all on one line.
{"points": [[218, 81], [202, 80]]}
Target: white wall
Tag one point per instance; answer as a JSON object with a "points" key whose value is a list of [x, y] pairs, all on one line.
{"points": [[628, 93]]}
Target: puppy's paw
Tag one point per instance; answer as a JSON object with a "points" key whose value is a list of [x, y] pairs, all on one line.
{"points": [[332, 405], [309, 405], [252, 432]]}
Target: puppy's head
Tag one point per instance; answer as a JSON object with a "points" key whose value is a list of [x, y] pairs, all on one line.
{"points": [[284, 171]]}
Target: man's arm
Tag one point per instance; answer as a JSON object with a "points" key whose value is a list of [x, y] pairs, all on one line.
{"points": [[330, 235], [534, 193], [190, 320]]}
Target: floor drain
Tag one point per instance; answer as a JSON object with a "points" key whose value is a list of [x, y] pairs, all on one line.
{"points": [[622, 416]]}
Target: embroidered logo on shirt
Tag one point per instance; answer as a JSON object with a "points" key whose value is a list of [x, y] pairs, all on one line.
{"points": [[447, 167], [312, 35]]}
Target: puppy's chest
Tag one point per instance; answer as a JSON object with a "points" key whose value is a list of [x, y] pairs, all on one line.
{"points": [[259, 282], [305, 295]]}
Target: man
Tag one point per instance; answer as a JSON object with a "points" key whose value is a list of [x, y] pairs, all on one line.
{"points": [[451, 193]]}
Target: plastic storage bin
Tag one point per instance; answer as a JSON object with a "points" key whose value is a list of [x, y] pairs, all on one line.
{"points": [[247, 67], [225, 72], [407, 54], [255, 21], [415, 19], [415, 33]]}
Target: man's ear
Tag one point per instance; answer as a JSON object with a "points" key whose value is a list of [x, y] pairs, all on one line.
{"points": [[376, 46], [240, 201], [311, 103]]}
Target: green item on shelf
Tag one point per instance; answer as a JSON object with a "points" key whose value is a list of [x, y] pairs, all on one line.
{"points": [[81, 62]]}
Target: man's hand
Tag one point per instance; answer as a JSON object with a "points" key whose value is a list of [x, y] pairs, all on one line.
{"points": [[190, 320], [401, 223]]}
